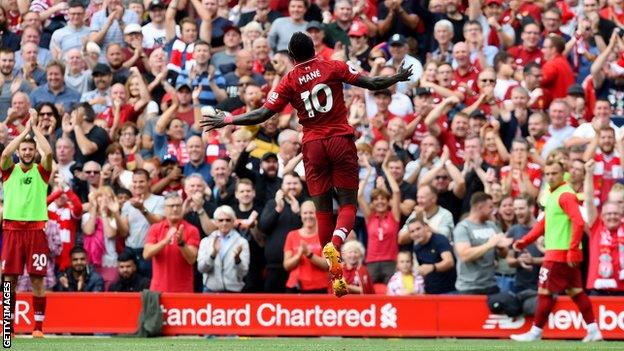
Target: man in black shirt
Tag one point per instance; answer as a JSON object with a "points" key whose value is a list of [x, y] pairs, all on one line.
{"points": [[434, 254], [528, 262], [129, 280]]}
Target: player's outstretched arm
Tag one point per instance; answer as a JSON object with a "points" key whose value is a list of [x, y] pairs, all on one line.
{"points": [[218, 119], [42, 143], [379, 82], [6, 160]]}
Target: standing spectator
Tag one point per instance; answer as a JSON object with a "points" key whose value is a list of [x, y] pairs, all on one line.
{"points": [[81, 130], [453, 14], [606, 234], [521, 176], [557, 75], [336, 31], [81, 276], [437, 218], [223, 255], [67, 208], [266, 182], [529, 50], [303, 256], [33, 35], [202, 75], [405, 281], [396, 17], [607, 160], [284, 27], [262, 14], [454, 137], [279, 216], [25, 214], [477, 243], [54, 90], [529, 261], [354, 270], [154, 32], [315, 29], [10, 84], [399, 56], [141, 211], [64, 152], [244, 67], [73, 35], [107, 24], [172, 245], [559, 129], [128, 280], [224, 60], [382, 218], [606, 78], [197, 158], [223, 183], [180, 49], [102, 227], [100, 97], [434, 254]]}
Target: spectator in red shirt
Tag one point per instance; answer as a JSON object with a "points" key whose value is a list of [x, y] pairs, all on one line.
{"points": [[303, 256], [315, 29], [529, 50], [465, 74], [557, 75], [172, 245], [354, 270], [453, 138], [521, 176]]}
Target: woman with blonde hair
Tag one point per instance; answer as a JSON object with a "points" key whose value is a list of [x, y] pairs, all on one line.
{"points": [[354, 270]]}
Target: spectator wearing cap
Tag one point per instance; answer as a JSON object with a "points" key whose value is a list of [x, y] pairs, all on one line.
{"points": [[73, 35], [172, 246], [284, 27], [224, 60], [154, 32], [128, 279], [107, 24], [576, 99], [211, 82], [263, 14], [244, 67], [443, 35], [266, 182], [133, 53], [169, 177], [337, 30], [358, 48], [32, 34], [315, 29], [489, 14], [398, 56], [100, 97], [557, 75], [529, 50], [54, 90], [396, 17], [185, 110], [180, 49]]}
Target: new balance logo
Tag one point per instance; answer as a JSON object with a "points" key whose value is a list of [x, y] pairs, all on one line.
{"points": [[388, 316], [501, 321]]}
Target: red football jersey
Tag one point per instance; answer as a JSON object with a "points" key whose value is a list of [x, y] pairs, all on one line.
{"points": [[314, 88]]}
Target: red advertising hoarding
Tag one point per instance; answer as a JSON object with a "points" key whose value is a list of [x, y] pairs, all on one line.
{"points": [[310, 315]]}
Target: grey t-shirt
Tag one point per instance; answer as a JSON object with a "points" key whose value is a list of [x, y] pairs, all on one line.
{"points": [[478, 274], [138, 223]]}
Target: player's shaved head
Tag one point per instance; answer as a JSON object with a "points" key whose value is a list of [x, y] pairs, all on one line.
{"points": [[301, 47]]}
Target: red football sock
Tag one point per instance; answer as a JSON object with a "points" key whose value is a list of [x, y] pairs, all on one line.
{"points": [[325, 224], [39, 305], [344, 224], [584, 305], [545, 304]]}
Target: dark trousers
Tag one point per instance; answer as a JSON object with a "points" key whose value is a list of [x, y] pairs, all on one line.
{"points": [[275, 281]]}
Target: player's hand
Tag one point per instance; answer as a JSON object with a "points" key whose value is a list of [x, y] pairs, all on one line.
{"points": [[404, 73], [517, 246], [212, 120]]}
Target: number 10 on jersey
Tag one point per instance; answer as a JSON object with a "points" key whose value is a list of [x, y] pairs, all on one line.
{"points": [[311, 100]]}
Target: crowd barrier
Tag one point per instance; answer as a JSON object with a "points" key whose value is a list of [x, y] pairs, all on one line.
{"points": [[310, 315]]}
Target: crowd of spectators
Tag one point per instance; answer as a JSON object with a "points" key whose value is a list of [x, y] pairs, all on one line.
{"points": [[450, 161]]}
